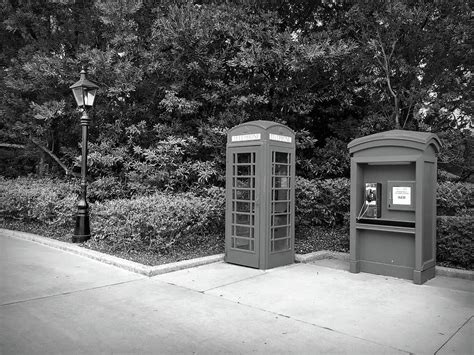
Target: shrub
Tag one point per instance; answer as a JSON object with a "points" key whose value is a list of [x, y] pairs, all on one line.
{"points": [[454, 198], [161, 221], [321, 202], [106, 188], [49, 201], [158, 222], [455, 241]]}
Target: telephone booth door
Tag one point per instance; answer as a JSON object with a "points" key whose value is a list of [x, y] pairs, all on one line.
{"points": [[243, 245], [281, 208]]}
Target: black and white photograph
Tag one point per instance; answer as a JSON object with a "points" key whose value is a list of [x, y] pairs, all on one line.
{"points": [[236, 177]]}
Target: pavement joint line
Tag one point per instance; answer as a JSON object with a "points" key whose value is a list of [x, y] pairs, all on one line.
{"points": [[151, 271], [234, 282], [303, 321], [205, 293], [452, 336], [68, 292]]}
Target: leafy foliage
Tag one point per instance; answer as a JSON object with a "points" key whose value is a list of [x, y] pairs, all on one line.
{"points": [[455, 241], [411, 52], [175, 76], [322, 202], [158, 222], [454, 199], [49, 201], [162, 222]]}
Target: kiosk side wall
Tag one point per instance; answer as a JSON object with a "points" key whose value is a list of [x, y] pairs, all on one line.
{"points": [[429, 223]]}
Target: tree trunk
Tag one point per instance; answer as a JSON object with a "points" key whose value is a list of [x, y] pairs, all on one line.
{"points": [[397, 112], [41, 165]]}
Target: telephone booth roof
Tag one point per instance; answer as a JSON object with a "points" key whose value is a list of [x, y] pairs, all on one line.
{"points": [[261, 130], [396, 138]]}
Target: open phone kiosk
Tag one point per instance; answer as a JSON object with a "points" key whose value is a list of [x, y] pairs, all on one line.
{"points": [[393, 204]]}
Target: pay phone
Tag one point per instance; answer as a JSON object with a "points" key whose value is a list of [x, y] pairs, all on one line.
{"points": [[371, 208]]}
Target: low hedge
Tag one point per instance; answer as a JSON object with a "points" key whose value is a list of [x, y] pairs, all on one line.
{"points": [[454, 244], [49, 201], [454, 198], [162, 221], [322, 202], [159, 222]]}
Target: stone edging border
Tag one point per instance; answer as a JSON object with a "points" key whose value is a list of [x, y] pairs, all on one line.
{"points": [[185, 264], [113, 260]]}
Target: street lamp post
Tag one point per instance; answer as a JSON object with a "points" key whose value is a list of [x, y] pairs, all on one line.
{"points": [[84, 92]]}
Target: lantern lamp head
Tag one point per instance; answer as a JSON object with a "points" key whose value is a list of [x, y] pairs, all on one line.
{"points": [[84, 91]]}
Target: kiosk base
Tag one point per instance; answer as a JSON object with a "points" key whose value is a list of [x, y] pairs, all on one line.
{"points": [[402, 272], [420, 277]]}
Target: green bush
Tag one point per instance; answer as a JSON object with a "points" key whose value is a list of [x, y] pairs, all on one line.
{"points": [[49, 201], [455, 241], [321, 202], [158, 222], [454, 198], [164, 220], [107, 188]]}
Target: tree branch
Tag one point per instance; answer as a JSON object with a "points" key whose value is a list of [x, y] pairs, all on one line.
{"points": [[53, 156], [393, 49], [386, 67], [408, 113], [11, 145]]}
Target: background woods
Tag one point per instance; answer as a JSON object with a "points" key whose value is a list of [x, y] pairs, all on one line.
{"points": [[174, 76]]}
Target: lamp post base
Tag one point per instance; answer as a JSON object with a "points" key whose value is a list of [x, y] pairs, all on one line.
{"points": [[82, 231], [80, 238]]}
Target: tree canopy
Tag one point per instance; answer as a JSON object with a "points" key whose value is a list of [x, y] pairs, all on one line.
{"points": [[174, 76]]}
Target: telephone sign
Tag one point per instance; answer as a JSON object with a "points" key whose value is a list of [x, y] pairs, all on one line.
{"points": [[246, 137]]}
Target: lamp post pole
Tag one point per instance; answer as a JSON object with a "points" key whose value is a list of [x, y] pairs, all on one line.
{"points": [[84, 93], [82, 230]]}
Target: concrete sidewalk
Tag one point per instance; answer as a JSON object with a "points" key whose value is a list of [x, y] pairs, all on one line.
{"points": [[55, 302]]}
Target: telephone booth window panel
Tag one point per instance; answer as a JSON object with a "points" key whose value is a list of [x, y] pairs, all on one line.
{"points": [[280, 207], [281, 204], [243, 195], [243, 201], [280, 157]]}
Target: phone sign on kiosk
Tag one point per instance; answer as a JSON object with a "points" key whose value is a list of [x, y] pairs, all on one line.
{"points": [[260, 178]]}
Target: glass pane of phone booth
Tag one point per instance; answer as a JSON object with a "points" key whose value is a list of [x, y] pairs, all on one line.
{"points": [[280, 238], [243, 202]]}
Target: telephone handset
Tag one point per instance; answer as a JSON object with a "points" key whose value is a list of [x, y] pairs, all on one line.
{"points": [[371, 208]]}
